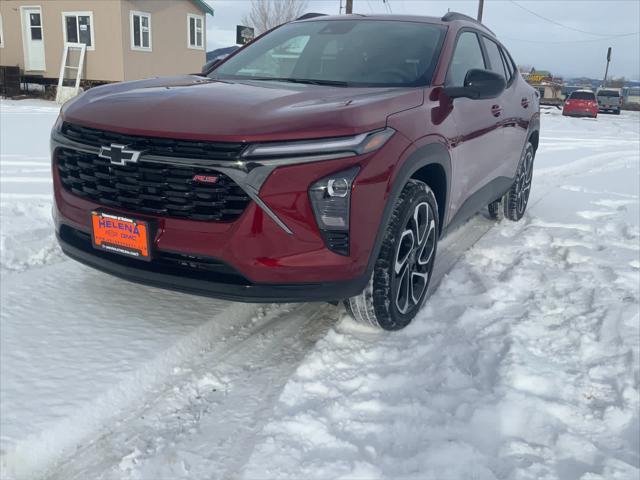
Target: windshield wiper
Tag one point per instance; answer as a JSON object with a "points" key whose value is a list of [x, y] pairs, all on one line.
{"points": [[309, 81]]}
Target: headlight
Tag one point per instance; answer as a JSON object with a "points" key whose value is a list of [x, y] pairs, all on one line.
{"points": [[357, 144], [331, 202]]}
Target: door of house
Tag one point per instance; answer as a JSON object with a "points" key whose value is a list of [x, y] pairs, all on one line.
{"points": [[33, 39]]}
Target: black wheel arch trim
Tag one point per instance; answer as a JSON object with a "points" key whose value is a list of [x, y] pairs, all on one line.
{"points": [[433, 153]]}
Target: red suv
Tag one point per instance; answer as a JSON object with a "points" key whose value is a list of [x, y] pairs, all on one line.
{"points": [[322, 162], [581, 103]]}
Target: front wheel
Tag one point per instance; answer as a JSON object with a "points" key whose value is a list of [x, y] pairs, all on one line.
{"points": [[404, 265]]}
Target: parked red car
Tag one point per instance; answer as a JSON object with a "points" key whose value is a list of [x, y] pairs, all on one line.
{"points": [[581, 103], [322, 162]]}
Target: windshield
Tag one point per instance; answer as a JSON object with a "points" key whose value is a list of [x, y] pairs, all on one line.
{"points": [[608, 93], [583, 96], [363, 53]]}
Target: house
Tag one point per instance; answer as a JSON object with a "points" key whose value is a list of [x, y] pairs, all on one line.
{"points": [[125, 39]]}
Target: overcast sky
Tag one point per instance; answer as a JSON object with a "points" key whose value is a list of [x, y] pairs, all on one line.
{"points": [[530, 39]]}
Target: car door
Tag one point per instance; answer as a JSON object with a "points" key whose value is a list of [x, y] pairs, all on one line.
{"points": [[514, 110], [478, 147]]}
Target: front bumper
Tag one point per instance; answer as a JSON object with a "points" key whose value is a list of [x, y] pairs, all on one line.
{"points": [[222, 285], [271, 263]]}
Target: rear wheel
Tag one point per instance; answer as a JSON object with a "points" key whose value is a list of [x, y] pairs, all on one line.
{"points": [[402, 271], [514, 203]]}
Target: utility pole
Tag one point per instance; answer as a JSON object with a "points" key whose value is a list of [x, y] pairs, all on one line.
{"points": [[349, 7], [606, 72], [480, 8]]}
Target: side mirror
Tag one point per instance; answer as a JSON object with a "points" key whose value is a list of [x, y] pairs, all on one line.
{"points": [[208, 67], [478, 85]]}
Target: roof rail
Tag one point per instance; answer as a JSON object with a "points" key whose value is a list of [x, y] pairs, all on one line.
{"points": [[451, 16], [311, 15]]}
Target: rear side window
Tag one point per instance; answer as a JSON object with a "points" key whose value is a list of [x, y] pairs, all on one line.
{"points": [[495, 59], [582, 96], [508, 62], [466, 56]]}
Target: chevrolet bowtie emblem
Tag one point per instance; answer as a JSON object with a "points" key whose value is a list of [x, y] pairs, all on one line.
{"points": [[119, 154]]}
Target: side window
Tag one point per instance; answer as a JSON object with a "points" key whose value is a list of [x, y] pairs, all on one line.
{"points": [[508, 64], [195, 26], [78, 28], [140, 30], [1, 33], [496, 64], [466, 56]]}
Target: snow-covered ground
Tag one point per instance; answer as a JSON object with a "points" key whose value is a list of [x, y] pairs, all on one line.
{"points": [[523, 365]]}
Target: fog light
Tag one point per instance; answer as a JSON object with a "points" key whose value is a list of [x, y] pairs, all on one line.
{"points": [[331, 201]]}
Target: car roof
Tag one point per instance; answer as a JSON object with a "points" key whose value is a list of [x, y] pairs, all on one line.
{"points": [[583, 90], [451, 18]]}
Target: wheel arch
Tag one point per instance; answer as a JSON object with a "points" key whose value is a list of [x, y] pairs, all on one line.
{"points": [[435, 176], [430, 163]]}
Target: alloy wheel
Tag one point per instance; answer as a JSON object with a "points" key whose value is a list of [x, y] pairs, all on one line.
{"points": [[414, 253], [523, 183]]}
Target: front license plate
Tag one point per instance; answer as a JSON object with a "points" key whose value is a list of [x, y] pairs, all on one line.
{"points": [[121, 235]]}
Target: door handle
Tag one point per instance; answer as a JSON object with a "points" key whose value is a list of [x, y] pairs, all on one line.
{"points": [[524, 102], [496, 110]]}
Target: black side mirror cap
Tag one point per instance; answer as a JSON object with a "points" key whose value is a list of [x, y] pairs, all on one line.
{"points": [[478, 85]]}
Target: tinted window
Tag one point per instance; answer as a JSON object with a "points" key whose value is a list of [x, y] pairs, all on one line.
{"points": [[608, 93], [495, 58], [508, 62], [351, 52], [582, 96], [466, 56]]}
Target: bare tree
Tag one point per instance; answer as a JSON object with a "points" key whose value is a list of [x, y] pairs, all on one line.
{"points": [[266, 14], [616, 82]]}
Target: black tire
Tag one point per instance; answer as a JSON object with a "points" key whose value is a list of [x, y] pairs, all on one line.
{"points": [[404, 265], [516, 199], [617, 112]]}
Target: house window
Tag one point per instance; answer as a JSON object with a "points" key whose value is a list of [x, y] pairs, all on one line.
{"points": [[195, 27], [78, 28], [140, 30], [1, 34]]}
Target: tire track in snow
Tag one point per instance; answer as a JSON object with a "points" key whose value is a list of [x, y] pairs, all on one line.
{"points": [[33, 455], [233, 386], [137, 446]]}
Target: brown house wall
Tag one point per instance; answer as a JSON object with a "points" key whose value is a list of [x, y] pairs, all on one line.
{"points": [[111, 58], [104, 62], [170, 54]]}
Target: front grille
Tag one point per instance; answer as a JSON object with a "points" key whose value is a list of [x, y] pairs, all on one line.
{"points": [[151, 188], [155, 145]]}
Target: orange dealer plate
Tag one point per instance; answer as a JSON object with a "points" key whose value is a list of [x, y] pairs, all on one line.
{"points": [[124, 236]]}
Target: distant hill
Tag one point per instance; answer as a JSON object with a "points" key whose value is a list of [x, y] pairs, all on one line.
{"points": [[596, 82]]}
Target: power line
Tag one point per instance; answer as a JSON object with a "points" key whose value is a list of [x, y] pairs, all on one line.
{"points": [[570, 41], [369, 5], [567, 26]]}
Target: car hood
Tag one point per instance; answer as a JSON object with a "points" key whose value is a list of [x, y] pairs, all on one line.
{"points": [[193, 107]]}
